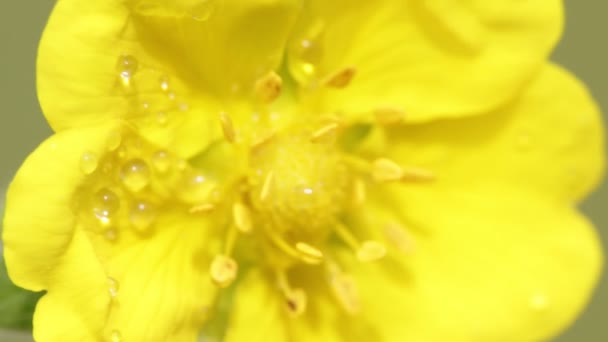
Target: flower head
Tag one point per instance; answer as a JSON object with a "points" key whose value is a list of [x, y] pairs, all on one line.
{"points": [[301, 170]]}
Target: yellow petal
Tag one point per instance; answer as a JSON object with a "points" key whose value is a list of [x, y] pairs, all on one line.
{"points": [[429, 59], [549, 140], [257, 313], [39, 221], [490, 264], [161, 71]]}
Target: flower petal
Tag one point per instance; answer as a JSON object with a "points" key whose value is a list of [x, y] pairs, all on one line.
{"points": [[490, 264], [550, 140], [111, 59], [429, 59]]}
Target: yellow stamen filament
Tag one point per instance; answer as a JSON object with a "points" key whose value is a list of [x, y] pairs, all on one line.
{"points": [[345, 290], [242, 217], [346, 236], [262, 141], [223, 270], [389, 116], [267, 186], [268, 87], [399, 237], [227, 127], [371, 251], [359, 192], [288, 249], [202, 208], [309, 250], [341, 78], [324, 132], [386, 170]]}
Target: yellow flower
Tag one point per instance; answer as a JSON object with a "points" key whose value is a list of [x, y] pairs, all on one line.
{"points": [[287, 170]]}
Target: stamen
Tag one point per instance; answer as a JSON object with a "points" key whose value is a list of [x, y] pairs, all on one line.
{"points": [[359, 192], [341, 78], [266, 187], [295, 299], [309, 250], [227, 127], [242, 217], [371, 251], [344, 289], [386, 170], [202, 208], [346, 236], [417, 174], [268, 87], [223, 270], [389, 115], [324, 132], [399, 237], [288, 249], [262, 141]]}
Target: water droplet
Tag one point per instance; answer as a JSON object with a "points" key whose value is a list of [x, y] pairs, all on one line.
{"points": [[105, 203], [126, 67], [142, 215], [113, 287], [196, 188], [164, 83], [135, 175], [162, 118], [203, 10], [116, 336], [88, 163], [161, 161], [114, 140], [111, 234]]}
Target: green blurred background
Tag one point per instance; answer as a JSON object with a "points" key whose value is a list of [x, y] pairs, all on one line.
{"points": [[583, 50]]}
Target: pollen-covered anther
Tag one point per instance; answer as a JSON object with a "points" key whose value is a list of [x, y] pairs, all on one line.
{"points": [[202, 208], [223, 270], [386, 170], [389, 115], [267, 186], [312, 253], [341, 78], [345, 290], [324, 132], [399, 237], [227, 127], [242, 217], [371, 251], [268, 87], [296, 301]]}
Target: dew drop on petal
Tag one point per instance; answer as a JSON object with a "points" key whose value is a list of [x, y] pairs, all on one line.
{"points": [[142, 215], [113, 287], [116, 336], [127, 67], [135, 175], [88, 163], [164, 83], [161, 161], [114, 140], [195, 188], [105, 203]]}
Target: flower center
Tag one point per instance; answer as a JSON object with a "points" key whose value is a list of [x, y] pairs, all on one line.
{"points": [[298, 186]]}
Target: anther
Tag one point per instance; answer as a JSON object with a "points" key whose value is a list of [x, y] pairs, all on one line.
{"points": [[242, 217], [202, 208], [227, 127], [296, 301], [344, 289], [388, 115], [309, 251], [341, 78], [399, 237], [386, 170], [268, 87], [266, 187], [371, 251], [324, 132], [223, 270]]}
